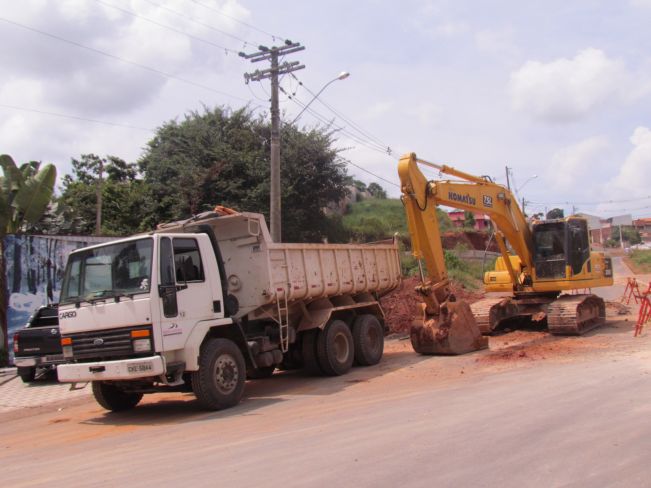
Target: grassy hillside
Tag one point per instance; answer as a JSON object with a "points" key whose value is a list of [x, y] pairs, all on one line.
{"points": [[641, 260], [376, 219]]}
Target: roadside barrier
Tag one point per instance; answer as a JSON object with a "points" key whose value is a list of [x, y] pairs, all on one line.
{"points": [[644, 314]]}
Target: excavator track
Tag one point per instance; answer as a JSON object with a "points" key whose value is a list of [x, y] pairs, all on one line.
{"points": [[575, 314], [489, 312]]}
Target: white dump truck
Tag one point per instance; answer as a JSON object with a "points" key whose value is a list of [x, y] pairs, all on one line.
{"points": [[203, 304]]}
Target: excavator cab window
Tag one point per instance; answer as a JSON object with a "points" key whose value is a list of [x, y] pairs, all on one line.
{"points": [[578, 244], [550, 249]]}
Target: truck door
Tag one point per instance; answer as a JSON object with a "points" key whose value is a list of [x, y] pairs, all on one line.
{"points": [[185, 295]]}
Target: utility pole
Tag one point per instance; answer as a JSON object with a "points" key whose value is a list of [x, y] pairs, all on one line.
{"points": [[98, 196], [272, 54]]}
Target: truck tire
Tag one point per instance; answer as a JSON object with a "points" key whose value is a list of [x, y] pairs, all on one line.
{"points": [[113, 398], [219, 382], [368, 337], [335, 350], [27, 374], [260, 373], [310, 360]]}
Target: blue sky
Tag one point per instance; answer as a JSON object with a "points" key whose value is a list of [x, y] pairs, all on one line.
{"points": [[560, 90]]}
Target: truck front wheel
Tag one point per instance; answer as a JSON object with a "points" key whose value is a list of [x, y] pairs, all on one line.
{"points": [[113, 398], [219, 382]]}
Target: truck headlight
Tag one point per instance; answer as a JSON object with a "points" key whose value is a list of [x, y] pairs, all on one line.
{"points": [[141, 345]]}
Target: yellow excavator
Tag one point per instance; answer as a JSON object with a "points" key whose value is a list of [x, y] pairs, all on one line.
{"points": [[548, 257]]}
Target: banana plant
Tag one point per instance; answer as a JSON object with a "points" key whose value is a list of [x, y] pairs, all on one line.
{"points": [[25, 193]]}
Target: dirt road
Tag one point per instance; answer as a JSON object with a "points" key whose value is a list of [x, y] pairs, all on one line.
{"points": [[534, 410]]}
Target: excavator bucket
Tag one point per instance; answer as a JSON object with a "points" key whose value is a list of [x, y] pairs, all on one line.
{"points": [[453, 331]]}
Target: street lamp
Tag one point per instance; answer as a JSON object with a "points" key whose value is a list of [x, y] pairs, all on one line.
{"points": [[517, 191], [342, 76]]}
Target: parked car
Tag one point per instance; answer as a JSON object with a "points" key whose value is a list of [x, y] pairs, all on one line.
{"points": [[37, 346]]}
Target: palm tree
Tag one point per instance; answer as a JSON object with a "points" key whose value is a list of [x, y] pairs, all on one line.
{"points": [[25, 193]]}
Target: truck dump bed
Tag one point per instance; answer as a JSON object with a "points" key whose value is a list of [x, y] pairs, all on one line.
{"points": [[261, 272]]}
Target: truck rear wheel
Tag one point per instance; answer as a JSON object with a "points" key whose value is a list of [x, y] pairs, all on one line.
{"points": [[27, 374], [219, 382], [335, 350], [113, 398], [310, 360], [368, 336]]}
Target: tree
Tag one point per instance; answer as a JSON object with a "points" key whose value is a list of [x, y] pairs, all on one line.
{"points": [[468, 219], [25, 193], [121, 194], [555, 213], [376, 191], [221, 157]]}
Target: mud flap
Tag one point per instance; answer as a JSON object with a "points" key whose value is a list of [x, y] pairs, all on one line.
{"points": [[453, 331]]}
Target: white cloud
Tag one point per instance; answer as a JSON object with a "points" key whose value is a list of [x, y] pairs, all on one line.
{"points": [[634, 176], [571, 168], [567, 89]]}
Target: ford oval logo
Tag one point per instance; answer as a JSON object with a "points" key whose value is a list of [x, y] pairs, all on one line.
{"points": [[98, 342]]}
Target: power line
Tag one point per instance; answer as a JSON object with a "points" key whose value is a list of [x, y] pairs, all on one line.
{"points": [[75, 117], [151, 21], [123, 60], [273, 36], [198, 22], [348, 161], [346, 119], [606, 202]]}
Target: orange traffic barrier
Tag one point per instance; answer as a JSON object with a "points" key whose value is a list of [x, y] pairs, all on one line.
{"points": [[632, 290], [644, 315]]}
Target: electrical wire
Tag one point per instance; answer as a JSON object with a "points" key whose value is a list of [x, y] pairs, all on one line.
{"points": [[75, 117], [606, 202], [198, 22], [151, 21], [346, 119], [123, 60], [273, 36], [349, 162]]}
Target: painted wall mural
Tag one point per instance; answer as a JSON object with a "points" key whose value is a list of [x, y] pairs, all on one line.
{"points": [[35, 267]]}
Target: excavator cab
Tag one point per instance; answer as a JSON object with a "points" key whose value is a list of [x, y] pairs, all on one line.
{"points": [[561, 247]]}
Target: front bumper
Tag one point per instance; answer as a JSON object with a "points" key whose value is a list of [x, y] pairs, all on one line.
{"points": [[124, 369], [32, 361]]}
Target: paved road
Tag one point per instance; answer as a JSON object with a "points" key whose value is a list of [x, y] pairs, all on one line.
{"points": [[578, 424], [575, 417]]}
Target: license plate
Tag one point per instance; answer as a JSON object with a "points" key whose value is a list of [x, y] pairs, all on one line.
{"points": [[140, 367]]}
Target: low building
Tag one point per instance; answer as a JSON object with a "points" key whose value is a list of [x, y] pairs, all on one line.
{"points": [[482, 221], [643, 226]]}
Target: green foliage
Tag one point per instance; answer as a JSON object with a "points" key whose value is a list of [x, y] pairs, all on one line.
{"points": [[25, 193], [376, 191], [377, 219], [468, 219], [123, 195], [629, 234], [222, 157], [556, 213], [642, 259]]}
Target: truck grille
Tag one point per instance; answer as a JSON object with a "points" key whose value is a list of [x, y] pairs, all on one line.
{"points": [[106, 344]]}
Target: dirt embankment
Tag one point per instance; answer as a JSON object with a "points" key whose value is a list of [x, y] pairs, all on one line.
{"points": [[469, 239]]}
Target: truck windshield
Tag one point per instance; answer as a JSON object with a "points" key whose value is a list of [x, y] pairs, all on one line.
{"points": [[108, 271]]}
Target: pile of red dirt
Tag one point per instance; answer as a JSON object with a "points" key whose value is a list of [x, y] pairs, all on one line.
{"points": [[403, 304]]}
